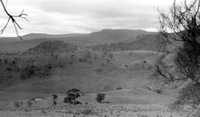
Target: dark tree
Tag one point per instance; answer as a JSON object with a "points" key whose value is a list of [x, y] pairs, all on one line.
{"points": [[55, 99], [55, 96], [6, 61], [179, 40], [100, 97], [72, 95]]}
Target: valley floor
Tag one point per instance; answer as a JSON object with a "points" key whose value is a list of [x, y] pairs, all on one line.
{"points": [[137, 102], [99, 110]]}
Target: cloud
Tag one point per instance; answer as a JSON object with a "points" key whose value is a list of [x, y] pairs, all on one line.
{"points": [[68, 16]]}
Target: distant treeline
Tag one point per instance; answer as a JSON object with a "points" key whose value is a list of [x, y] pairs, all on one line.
{"points": [[145, 42]]}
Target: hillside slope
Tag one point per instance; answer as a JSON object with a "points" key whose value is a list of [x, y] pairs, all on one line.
{"points": [[143, 42], [102, 37], [53, 46], [89, 71]]}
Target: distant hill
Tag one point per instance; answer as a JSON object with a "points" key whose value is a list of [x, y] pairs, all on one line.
{"points": [[116, 35], [108, 36], [53, 46], [104, 36], [45, 36], [143, 42], [33, 36]]}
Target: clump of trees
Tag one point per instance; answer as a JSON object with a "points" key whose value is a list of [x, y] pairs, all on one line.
{"points": [[180, 29], [119, 88], [18, 103], [141, 42], [72, 95], [53, 46], [28, 71]]}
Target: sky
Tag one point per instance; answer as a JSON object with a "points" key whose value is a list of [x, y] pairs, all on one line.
{"points": [[82, 16]]}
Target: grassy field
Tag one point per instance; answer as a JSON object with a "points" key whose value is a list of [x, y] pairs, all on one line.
{"points": [[89, 71]]}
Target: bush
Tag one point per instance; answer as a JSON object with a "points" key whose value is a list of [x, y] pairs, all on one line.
{"points": [[18, 103], [54, 102], [29, 103], [100, 97], [119, 88], [158, 91], [72, 95], [54, 99], [55, 96], [88, 112]]}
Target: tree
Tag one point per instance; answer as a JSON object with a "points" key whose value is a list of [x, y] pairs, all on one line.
{"points": [[55, 97], [12, 18], [72, 95], [6, 61], [100, 97], [180, 29]]}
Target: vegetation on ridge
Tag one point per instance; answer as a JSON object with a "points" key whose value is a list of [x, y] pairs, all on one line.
{"points": [[53, 46]]}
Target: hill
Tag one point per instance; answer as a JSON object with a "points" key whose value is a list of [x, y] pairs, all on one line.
{"points": [[43, 35], [32, 36], [143, 42], [53, 46], [105, 36], [86, 70]]}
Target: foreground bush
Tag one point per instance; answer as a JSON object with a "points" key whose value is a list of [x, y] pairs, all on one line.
{"points": [[100, 97]]}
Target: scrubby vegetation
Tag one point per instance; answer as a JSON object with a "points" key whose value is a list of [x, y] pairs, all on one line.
{"points": [[145, 42], [53, 46]]}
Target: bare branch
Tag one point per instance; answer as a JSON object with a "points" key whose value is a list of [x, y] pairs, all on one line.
{"points": [[183, 67], [12, 17], [5, 26], [17, 31]]}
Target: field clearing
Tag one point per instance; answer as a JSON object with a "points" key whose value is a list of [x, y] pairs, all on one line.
{"points": [[124, 103], [91, 72]]}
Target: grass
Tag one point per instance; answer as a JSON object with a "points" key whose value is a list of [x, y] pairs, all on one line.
{"points": [[84, 76]]}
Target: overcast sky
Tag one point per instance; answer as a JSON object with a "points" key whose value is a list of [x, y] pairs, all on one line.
{"points": [[83, 16]]}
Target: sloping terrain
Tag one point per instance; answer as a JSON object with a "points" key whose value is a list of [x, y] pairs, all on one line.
{"points": [[118, 63], [142, 42], [55, 67], [53, 46], [105, 36], [76, 70]]}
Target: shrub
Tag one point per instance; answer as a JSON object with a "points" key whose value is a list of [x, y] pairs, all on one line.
{"points": [[158, 91], [119, 88], [88, 112], [72, 95], [54, 99], [100, 97], [54, 102], [55, 96], [29, 103], [6, 61], [18, 103]]}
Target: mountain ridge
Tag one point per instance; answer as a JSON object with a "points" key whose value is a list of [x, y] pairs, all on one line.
{"points": [[105, 36]]}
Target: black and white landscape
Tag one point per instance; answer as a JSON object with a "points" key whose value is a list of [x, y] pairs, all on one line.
{"points": [[119, 63], [100, 58]]}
